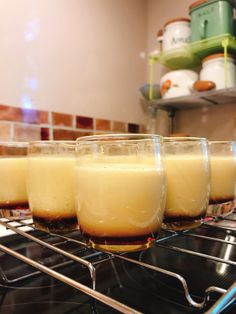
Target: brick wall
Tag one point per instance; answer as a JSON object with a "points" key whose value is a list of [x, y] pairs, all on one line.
{"points": [[19, 124]]}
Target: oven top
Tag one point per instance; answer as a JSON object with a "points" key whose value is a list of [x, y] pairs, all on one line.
{"points": [[172, 277]]}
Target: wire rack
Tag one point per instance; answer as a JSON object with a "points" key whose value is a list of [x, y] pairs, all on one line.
{"points": [[226, 297]]}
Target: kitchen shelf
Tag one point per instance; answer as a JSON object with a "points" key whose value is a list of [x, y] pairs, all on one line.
{"points": [[195, 100], [190, 56]]}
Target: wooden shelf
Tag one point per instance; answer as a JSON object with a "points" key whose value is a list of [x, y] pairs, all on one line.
{"points": [[195, 100]]}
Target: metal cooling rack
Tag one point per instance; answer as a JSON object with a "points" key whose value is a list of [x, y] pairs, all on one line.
{"points": [[227, 296]]}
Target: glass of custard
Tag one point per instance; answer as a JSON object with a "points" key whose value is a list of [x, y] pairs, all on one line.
{"points": [[120, 190], [50, 183], [13, 169], [187, 181], [223, 177]]}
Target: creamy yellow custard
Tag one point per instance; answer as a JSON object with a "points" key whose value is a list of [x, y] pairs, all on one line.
{"points": [[223, 178], [13, 181], [119, 199], [187, 178], [51, 183]]}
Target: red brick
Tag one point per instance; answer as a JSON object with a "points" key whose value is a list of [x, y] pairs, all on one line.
{"points": [[84, 122], [10, 113], [62, 119], [119, 127], [5, 131], [45, 134], [60, 134], [24, 132], [103, 125]]}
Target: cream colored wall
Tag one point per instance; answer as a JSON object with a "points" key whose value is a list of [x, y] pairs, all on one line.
{"points": [[216, 122], [76, 56], [87, 57]]}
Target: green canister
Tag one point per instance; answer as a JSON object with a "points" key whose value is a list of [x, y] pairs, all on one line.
{"points": [[211, 18]]}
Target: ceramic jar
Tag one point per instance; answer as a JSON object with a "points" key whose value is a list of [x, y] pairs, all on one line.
{"points": [[213, 69], [177, 83], [177, 33]]}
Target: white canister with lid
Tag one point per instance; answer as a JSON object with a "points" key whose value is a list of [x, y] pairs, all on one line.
{"points": [[177, 33], [213, 69]]}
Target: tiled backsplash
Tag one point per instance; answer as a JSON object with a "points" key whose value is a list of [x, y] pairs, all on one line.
{"points": [[18, 124]]}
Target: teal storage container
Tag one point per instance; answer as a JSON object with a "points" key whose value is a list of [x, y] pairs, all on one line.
{"points": [[211, 18]]}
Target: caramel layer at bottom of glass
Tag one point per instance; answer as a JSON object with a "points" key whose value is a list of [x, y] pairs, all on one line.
{"points": [[180, 223], [14, 205], [120, 244], [221, 200], [221, 208], [62, 224], [15, 211]]}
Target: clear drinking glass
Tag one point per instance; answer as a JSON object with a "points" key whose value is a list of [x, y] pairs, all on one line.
{"points": [[187, 176], [120, 190], [223, 177], [51, 179], [13, 167]]}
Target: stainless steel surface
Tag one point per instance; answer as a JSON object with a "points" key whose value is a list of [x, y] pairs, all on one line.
{"points": [[54, 248], [226, 295], [91, 292], [223, 301]]}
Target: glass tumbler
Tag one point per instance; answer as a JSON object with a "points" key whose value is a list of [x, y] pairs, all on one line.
{"points": [[51, 182], [187, 177], [13, 168], [120, 190], [223, 177]]}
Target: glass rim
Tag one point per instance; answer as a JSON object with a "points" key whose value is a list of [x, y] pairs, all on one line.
{"points": [[222, 142], [51, 142], [184, 139], [116, 137], [14, 144]]}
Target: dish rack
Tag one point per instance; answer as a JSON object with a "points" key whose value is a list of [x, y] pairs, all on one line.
{"points": [[90, 259]]}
